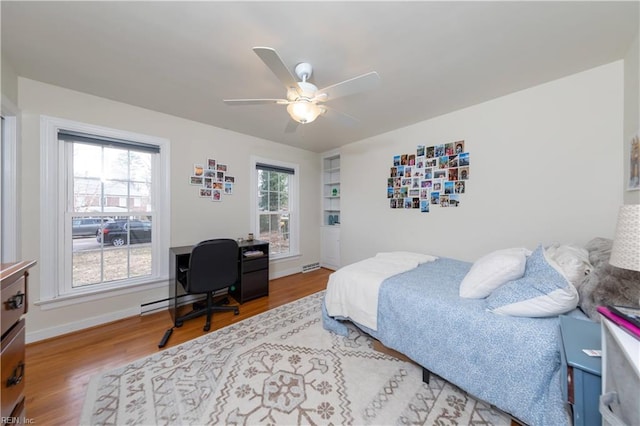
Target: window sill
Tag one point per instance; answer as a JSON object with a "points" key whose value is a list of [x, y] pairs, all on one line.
{"points": [[74, 299]]}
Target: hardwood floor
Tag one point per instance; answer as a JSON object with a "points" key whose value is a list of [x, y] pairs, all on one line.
{"points": [[59, 369]]}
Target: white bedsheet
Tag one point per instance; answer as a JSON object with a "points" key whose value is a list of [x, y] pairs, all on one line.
{"points": [[352, 291]]}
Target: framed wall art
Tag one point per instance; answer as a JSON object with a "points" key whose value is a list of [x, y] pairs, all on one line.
{"points": [[434, 175], [212, 179]]}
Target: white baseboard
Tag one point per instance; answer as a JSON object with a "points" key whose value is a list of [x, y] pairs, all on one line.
{"points": [[59, 330], [284, 273], [329, 266]]}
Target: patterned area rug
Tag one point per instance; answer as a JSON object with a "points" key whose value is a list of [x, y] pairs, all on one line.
{"points": [[278, 368]]}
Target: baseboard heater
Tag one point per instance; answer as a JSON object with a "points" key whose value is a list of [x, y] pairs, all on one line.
{"points": [[310, 267], [183, 299]]}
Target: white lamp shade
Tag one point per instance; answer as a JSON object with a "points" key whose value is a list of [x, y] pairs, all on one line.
{"points": [[625, 252], [304, 111]]}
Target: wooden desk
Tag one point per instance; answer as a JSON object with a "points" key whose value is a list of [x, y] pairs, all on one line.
{"points": [[253, 273]]}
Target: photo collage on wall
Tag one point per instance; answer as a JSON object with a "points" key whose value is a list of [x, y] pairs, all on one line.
{"points": [[433, 176], [212, 180]]}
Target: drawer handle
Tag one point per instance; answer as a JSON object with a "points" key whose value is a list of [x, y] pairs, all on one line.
{"points": [[16, 376], [16, 301]]}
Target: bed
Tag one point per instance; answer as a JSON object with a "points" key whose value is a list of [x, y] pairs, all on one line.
{"points": [[511, 362]]}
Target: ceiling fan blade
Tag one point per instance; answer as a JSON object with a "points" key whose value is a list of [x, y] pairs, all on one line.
{"points": [[271, 59], [361, 83], [238, 102], [340, 117]]}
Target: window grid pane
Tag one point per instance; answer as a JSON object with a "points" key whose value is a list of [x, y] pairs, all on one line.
{"points": [[273, 209], [116, 185]]}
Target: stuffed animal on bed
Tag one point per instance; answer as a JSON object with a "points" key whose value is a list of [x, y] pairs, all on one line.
{"points": [[606, 284]]}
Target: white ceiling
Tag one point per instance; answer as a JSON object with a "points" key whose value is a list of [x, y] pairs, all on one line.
{"points": [[184, 58]]}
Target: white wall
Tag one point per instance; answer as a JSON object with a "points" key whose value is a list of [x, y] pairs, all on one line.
{"points": [[544, 167], [631, 112], [192, 218], [9, 81]]}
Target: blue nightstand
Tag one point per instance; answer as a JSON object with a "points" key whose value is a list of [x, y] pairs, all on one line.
{"points": [[581, 374]]}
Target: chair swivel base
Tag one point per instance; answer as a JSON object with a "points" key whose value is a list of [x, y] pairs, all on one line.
{"points": [[200, 309]]}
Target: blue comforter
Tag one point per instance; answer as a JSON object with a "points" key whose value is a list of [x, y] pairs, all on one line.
{"points": [[510, 362]]}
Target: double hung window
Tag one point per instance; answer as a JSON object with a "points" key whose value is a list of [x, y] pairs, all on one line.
{"points": [[276, 206], [110, 208], [109, 226]]}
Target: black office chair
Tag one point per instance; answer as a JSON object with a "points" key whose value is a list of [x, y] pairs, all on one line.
{"points": [[213, 266]]}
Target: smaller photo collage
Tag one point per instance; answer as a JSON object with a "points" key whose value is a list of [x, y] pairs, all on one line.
{"points": [[212, 180], [432, 176]]}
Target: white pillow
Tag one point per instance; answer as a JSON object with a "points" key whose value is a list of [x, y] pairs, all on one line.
{"points": [[572, 260], [543, 291], [493, 270]]}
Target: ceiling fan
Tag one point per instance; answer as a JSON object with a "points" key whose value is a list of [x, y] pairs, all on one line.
{"points": [[304, 101]]}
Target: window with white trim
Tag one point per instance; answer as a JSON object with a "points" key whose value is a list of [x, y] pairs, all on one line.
{"points": [[109, 209], [275, 201]]}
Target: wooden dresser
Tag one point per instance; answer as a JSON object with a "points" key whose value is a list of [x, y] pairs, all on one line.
{"points": [[13, 290]]}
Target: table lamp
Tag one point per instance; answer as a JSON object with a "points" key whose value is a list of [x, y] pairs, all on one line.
{"points": [[625, 252]]}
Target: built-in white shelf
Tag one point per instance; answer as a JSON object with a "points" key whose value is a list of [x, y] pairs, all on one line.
{"points": [[330, 229], [331, 190]]}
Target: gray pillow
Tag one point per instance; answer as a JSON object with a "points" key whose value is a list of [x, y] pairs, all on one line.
{"points": [[606, 284]]}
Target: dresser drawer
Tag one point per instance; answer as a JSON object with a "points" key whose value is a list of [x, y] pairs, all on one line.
{"points": [[12, 369], [581, 373], [255, 284], [14, 302], [20, 412]]}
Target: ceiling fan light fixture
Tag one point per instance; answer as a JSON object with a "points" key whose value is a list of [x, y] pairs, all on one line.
{"points": [[304, 111], [304, 101]]}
